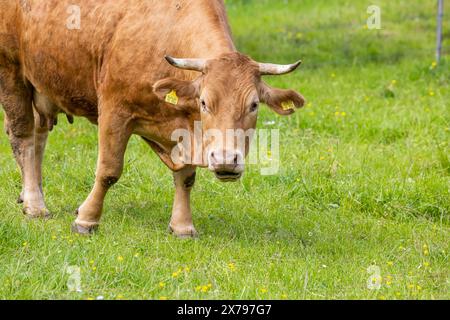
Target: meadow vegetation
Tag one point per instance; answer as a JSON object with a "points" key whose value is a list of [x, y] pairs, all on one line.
{"points": [[363, 181]]}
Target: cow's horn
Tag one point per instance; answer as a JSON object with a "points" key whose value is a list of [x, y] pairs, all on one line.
{"points": [[277, 69], [187, 64]]}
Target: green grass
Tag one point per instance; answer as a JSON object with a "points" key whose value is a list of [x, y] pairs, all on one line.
{"points": [[367, 188]]}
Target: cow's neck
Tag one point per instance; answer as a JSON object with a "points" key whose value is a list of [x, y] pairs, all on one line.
{"points": [[216, 42], [212, 35]]}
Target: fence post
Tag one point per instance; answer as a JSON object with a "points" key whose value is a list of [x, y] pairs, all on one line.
{"points": [[439, 30]]}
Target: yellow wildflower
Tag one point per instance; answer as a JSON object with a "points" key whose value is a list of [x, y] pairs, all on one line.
{"points": [[175, 274], [205, 289], [232, 266]]}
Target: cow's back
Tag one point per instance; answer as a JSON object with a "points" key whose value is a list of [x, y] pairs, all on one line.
{"points": [[63, 59]]}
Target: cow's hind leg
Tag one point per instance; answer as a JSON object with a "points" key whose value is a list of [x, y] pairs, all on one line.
{"points": [[40, 140], [16, 97], [181, 223], [114, 133], [7, 131]]}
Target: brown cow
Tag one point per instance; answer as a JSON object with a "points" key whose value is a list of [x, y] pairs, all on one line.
{"points": [[104, 60]]}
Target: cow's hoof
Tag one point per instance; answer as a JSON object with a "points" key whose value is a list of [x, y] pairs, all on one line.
{"points": [[76, 228], [37, 213], [20, 199], [184, 232]]}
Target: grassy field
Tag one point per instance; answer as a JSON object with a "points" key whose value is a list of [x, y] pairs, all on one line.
{"points": [[364, 179]]}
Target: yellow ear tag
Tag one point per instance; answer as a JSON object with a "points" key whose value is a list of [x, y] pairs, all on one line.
{"points": [[288, 105], [172, 97]]}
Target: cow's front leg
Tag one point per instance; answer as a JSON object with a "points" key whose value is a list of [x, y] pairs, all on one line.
{"points": [[114, 133], [181, 223]]}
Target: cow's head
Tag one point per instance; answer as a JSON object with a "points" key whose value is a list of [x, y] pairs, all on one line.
{"points": [[228, 95]]}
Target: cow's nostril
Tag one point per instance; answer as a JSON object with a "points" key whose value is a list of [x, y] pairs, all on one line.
{"points": [[236, 159]]}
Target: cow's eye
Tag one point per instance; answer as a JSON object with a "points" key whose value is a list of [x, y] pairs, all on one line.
{"points": [[254, 107], [204, 106]]}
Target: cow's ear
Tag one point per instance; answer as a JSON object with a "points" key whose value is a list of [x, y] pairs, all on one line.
{"points": [[283, 102], [177, 92]]}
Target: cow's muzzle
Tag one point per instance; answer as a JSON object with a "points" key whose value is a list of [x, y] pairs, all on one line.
{"points": [[228, 166]]}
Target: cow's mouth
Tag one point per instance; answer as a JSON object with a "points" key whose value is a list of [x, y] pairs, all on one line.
{"points": [[226, 176]]}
